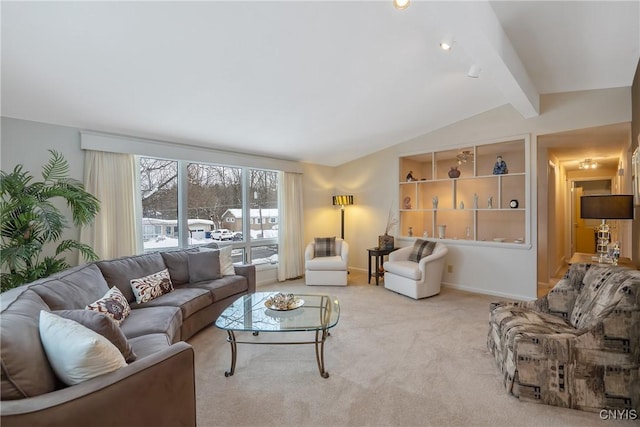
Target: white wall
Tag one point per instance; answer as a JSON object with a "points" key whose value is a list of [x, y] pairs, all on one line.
{"points": [[373, 180], [27, 143]]}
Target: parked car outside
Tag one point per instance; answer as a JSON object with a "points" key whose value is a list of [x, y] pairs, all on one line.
{"points": [[222, 234], [237, 236]]}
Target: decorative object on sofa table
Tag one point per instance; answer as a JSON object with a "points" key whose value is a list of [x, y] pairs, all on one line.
{"points": [[386, 241], [500, 167], [490, 202], [283, 302], [434, 201], [442, 231], [454, 172], [342, 201], [604, 207], [410, 176], [31, 223], [406, 203]]}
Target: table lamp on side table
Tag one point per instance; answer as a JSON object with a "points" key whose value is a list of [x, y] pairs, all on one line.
{"points": [[604, 207]]}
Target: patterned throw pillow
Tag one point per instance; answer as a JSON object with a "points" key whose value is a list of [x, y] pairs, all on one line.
{"points": [[152, 286], [112, 304], [325, 246], [421, 249]]}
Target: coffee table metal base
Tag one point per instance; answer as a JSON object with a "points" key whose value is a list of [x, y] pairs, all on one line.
{"points": [[320, 337]]}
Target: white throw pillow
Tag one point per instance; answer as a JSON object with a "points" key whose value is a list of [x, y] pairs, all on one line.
{"points": [[75, 352], [226, 264]]}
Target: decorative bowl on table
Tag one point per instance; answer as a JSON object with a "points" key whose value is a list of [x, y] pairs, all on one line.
{"points": [[283, 302]]}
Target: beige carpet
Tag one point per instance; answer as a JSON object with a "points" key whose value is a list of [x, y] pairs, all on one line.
{"points": [[393, 361]]}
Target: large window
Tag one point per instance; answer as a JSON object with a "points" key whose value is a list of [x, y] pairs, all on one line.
{"points": [[210, 204]]}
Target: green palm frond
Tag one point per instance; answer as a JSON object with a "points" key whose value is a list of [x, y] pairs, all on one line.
{"points": [[56, 169]]}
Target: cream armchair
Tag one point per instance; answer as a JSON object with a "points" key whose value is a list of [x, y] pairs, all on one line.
{"points": [[327, 270], [415, 279]]}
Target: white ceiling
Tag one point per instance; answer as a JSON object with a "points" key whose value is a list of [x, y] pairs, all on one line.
{"points": [[319, 81]]}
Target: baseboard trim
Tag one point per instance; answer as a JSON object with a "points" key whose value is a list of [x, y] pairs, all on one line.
{"points": [[488, 292]]}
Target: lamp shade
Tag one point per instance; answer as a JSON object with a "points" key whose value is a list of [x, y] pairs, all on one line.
{"points": [[607, 206], [342, 200]]}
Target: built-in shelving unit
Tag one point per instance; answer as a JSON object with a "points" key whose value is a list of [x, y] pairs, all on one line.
{"points": [[476, 206]]}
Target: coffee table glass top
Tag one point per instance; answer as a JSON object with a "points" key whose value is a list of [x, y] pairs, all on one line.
{"points": [[249, 313]]}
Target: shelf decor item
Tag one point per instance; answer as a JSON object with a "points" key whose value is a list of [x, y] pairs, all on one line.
{"points": [[406, 203], [490, 202], [434, 201], [500, 168], [410, 176], [454, 172], [442, 231]]}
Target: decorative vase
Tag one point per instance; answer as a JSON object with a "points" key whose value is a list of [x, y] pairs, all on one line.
{"points": [[454, 172], [385, 241], [442, 231]]}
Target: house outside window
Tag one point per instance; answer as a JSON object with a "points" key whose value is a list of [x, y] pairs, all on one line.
{"points": [[214, 199]]}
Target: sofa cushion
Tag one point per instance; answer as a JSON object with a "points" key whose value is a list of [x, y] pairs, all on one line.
{"points": [[151, 286], [190, 300], [178, 265], [604, 287], [119, 272], [104, 325], [146, 345], [325, 246], [153, 320], [75, 352], [225, 287], [327, 263], [204, 265], [112, 304], [71, 289], [408, 269], [421, 248], [25, 369]]}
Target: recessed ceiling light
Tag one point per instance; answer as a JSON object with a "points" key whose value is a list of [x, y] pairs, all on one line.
{"points": [[401, 4], [446, 44]]}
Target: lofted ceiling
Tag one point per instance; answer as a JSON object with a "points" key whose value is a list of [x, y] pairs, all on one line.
{"points": [[319, 81]]}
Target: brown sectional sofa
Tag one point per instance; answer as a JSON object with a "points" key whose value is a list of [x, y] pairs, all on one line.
{"points": [[158, 388]]}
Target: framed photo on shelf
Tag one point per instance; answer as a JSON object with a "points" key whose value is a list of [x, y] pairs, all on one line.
{"points": [[635, 175]]}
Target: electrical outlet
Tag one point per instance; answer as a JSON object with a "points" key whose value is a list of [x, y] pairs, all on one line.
{"points": [[449, 268]]}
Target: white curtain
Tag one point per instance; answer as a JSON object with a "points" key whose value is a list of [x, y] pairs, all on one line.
{"points": [[290, 235], [111, 177]]}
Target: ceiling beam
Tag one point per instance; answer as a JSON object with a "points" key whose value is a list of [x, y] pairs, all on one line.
{"points": [[476, 29]]}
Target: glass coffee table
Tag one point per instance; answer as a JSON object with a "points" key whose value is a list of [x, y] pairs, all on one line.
{"points": [[317, 313]]}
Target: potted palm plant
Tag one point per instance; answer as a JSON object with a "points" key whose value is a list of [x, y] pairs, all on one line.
{"points": [[30, 221]]}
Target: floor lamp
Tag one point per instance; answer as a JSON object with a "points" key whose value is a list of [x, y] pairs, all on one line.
{"points": [[604, 207], [342, 201]]}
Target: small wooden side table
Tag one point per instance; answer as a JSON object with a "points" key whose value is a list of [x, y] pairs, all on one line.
{"points": [[582, 258], [378, 254]]}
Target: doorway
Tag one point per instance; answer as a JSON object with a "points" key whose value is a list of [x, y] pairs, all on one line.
{"points": [[583, 231]]}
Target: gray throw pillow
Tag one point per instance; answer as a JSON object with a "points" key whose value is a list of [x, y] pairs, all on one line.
{"points": [[325, 246], [102, 325], [421, 249], [204, 266]]}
